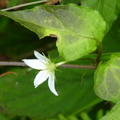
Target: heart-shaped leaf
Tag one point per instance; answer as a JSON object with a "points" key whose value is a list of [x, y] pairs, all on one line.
{"points": [[78, 29], [107, 79]]}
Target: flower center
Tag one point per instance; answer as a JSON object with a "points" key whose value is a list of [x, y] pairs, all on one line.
{"points": [[51, 67]]}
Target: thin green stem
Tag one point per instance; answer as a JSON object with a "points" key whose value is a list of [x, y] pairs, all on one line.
{"points": [[23, 5]]}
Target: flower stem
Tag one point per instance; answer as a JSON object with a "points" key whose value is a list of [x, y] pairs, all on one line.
{"points": [[13, 63]]}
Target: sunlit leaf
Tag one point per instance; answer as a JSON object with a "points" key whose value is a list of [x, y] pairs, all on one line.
{"points": [[107, 79], [78, 30]]}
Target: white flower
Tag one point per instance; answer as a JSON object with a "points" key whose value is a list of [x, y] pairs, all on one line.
{"points": [[47, 70]]}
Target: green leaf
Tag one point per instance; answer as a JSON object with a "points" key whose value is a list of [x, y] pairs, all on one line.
{"points": [[18, 95], [118, 5], [112, 38], [77, 28], [70, 1], [14, 3], [109, 10], [107, 79], [2, 117], [3, 23], [114, 114]]}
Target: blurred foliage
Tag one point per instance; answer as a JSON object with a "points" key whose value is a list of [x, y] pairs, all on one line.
{"points": [[18, 98]]}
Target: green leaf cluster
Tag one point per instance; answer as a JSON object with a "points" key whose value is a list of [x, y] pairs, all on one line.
{"points": [[80, 29]]}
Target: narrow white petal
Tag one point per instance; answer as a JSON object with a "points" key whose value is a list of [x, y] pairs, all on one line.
{"points": [[34, 63], [51, 83], [41, 57], [41, 77]]}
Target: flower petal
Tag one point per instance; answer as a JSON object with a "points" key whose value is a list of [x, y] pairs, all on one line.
{"points": [[51, 83], [34, 63], [41, 57], [41, 77]]}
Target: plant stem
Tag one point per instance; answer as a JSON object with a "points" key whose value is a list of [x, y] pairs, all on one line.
{"points": [[99, 53], [99, 49], [23, 5], [78, 66], [12, 63]]}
